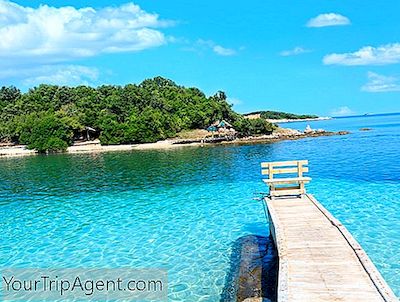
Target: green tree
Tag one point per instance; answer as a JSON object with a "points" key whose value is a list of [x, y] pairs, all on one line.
{"points": [[276, 115], [247, 127], [8, 95], [45, 132], [152, 125], [49, 117]]}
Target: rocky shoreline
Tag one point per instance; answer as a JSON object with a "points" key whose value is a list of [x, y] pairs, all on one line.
{"points": [[95, 146], [279, 135], [291, 136]]}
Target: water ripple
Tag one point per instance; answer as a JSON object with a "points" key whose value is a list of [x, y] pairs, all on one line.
{"points": [[182, 210]]}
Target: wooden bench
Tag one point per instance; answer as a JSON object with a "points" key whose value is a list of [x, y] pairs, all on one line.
{"points": [[293, 185]]}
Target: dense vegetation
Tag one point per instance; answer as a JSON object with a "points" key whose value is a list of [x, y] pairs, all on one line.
{"points": [[276, 115], [50, 118]]}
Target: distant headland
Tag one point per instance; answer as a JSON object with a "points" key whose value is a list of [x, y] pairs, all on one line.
{"points": [[283, 117]]}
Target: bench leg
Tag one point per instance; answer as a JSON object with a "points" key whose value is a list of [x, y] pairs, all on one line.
{"points": [[272, 191]]}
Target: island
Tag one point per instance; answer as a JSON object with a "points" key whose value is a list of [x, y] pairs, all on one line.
{"points": [[283, 117], [157, 113]]}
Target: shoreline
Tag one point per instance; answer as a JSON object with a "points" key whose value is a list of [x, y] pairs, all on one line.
{"points": [[95, 147]]}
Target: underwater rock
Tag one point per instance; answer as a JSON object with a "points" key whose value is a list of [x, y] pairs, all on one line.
{"points": [[257, 300], [254, 271]]}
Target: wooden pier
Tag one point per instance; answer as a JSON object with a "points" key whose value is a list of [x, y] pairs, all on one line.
{"points": [[319, 260]]}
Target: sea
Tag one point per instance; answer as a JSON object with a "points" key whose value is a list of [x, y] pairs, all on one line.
{"points": [[185, 210]]}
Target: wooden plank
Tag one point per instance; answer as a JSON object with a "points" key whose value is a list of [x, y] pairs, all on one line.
{"points": [[318, 259], [284, 170], [287, 188], [287, 180], [270, 171], [300, 169], [284, 163], [300, 174]]}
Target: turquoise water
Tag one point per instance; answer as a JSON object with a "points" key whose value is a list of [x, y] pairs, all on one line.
{"points": [[184, 209]]}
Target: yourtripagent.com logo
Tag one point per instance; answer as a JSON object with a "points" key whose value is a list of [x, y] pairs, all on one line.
{"points": [[84, 284]]}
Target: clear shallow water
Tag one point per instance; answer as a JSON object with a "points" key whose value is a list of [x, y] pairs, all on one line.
{"points": [[184, 209]]}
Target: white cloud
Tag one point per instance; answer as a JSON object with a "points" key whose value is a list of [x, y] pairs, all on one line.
{"points": [[218, 49], [70, 75], [294, 52], [381, 83], [48, 34], [368, 55], [235, 102], [330, 19], [222, 51], [342, 111]]}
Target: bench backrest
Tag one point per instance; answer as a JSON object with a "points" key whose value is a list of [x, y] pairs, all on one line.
{"points": [[284, 167]]}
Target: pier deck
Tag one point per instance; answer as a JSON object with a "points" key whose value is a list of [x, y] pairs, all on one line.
{"points": [[319, 260]]}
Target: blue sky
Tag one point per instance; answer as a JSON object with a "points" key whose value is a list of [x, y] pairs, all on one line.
{"points": [[326, 57]]}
